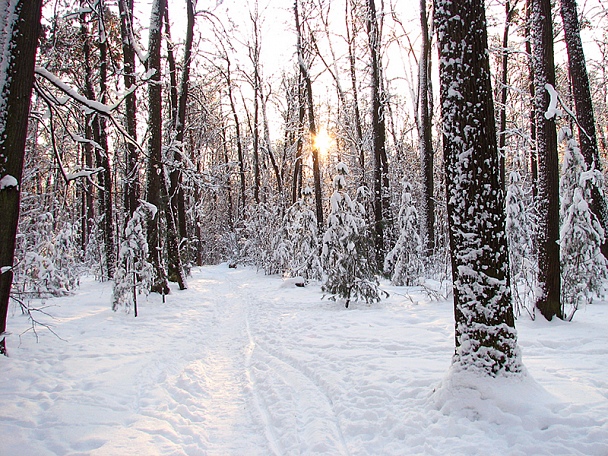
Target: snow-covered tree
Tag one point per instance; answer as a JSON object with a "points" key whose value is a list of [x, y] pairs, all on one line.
{"points": [[134, 274], [348, 247], [301, 239], [404, 262], [485, 336], [519, 226], [583, 267]]}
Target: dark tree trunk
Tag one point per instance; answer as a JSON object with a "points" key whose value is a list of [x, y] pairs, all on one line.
{"points": [[427, 207], [132, 189], [548, 299], [297, 172], [350, 38], [239, 140], [378, 132], [532, 119], [100, 134], [504, 92], [155, 167], [584, 107], [312, 128], [21, 41], [485, 334]]}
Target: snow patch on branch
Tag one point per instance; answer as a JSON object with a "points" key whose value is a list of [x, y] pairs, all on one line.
{"points": [[552, 111], [8, 181]]}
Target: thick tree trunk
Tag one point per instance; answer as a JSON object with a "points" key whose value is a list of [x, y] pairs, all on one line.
{"points": [[584, 107], [21, 24], [548, 299], [427, 207], [485, 334]]}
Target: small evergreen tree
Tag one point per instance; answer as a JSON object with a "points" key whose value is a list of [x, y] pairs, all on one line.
{"points": [[404, 262], [301, 239], [518, 227], [134, 274], [583, 266], [348, 247]]}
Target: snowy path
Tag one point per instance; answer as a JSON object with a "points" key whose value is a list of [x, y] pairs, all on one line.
{"points": [[240, 365]]}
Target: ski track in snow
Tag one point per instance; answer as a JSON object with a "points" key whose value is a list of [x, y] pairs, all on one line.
{"points": [[240, 365]]}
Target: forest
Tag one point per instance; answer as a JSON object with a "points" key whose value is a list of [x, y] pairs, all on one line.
{"points": [[345, 143]]}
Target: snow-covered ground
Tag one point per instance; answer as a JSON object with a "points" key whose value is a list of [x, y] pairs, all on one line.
{"points": [[243, 364]]}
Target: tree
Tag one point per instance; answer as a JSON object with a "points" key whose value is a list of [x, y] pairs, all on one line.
{"points": [[155, 166], [347, 247], [404, 262], [548, 299], [425, 138], [20, 21], [581, 92], [485, 336], [583, 267], [378, 134]]}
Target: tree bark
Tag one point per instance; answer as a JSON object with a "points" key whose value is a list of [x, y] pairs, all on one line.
{"points": [[583, 106], [548, 299], [425, 138], [378, 132], [155, 167], [312, 128], [132, 189], [485, 335], [21, 22]]}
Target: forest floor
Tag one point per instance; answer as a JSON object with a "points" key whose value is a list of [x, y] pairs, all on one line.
{"points": [[247, 364]]}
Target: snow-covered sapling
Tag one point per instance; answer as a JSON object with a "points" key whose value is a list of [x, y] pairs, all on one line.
{"points": [[348, 248]]}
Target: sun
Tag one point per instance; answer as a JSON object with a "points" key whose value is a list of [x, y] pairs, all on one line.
{"points": [[323, 142]]}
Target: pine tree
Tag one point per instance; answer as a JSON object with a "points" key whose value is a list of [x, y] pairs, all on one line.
{"points": [[404, 262], [583, 266], [518, 226], [134, 274], [302, 239], [348, 247]]}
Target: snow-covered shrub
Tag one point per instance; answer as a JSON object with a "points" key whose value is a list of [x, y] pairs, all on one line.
{"points": [[404, 262], [301, 240], [522, 265], [348, 247], [47, 258], [262, 238], [134, 274], [583, 267]]}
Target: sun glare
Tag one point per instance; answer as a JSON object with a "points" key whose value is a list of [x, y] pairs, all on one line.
{"points": [[323, 142]]}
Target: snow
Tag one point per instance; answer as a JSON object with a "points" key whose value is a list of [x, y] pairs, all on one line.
{"points": [[239, 364], [552, 110], [8, 181]]}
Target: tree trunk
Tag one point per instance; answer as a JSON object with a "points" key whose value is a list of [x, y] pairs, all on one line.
{"points": [[132, 159], [155, 167], [312, 128], [379, 133], [21, 25], [504, 92], [425, 138], [548, 299], [584, 108], [485, 335]]}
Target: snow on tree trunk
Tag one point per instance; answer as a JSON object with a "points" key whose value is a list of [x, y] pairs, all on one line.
{"points": [[583, 266], [581, 93], [19, 31], [486, 340], [548, 299]]}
